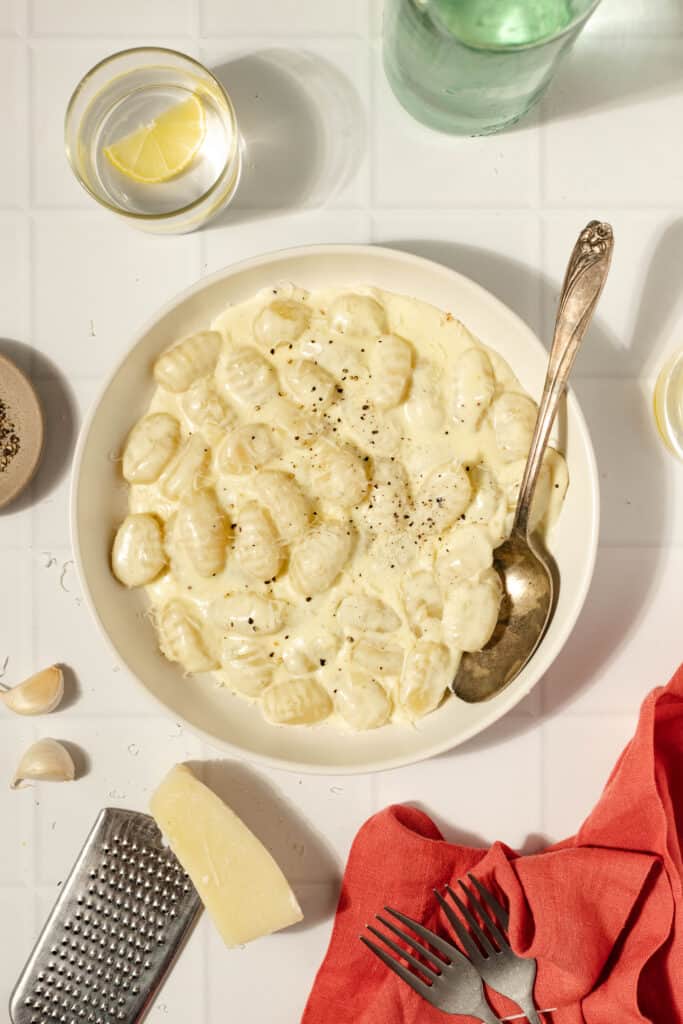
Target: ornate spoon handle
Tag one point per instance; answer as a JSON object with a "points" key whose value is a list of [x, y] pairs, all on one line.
{"points": [[583, 283]]}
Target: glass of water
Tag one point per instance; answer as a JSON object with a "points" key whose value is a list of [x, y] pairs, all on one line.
{"points": [[153, 136], [472, 67]]}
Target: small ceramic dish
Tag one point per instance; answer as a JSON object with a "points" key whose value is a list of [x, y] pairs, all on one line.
{"points": [[21, 431]]}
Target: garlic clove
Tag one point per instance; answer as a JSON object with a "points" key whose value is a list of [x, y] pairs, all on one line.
{"points": [[47, 760], [37, 695]]}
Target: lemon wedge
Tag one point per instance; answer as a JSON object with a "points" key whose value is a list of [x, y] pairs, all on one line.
{"points": [[162, 149]]}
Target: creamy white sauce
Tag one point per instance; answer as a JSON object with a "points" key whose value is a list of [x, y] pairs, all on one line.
{"points": [[424, 458]]}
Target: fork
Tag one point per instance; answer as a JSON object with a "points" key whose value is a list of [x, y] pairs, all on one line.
{"points": [[453, 984], [500, 967]]}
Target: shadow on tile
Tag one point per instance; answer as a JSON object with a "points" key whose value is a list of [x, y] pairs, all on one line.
{"points": [[298, 849], [79, 757], [303, 132], [61, 421], [72, 688], [318, 902], [591, 645], [604, 72]]}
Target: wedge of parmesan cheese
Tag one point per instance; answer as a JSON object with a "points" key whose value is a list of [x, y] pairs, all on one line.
{"points": [[238, 881]]}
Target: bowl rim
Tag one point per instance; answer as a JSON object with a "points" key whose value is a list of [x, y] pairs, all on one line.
{"points": [[511, 696]]}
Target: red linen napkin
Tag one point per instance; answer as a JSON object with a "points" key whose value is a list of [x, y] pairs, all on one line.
{"points": [[602, 912]]}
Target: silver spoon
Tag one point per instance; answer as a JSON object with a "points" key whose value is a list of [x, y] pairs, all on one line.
{"points": [[525, 568]]}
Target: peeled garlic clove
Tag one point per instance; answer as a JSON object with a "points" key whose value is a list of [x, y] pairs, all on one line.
{"points": [[37, 695], [47, 760]]}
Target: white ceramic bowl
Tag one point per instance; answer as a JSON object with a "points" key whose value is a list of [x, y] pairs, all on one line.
{"points": [[98, 503]]}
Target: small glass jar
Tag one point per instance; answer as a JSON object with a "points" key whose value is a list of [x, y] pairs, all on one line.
{"points": [[668, 403], [131, 89]]}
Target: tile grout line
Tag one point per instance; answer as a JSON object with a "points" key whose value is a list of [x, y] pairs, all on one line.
{"points": [[30, 326], [200, 257], [496, 211]]}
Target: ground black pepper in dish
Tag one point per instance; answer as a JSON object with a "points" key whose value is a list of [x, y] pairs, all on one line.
{"points": [[9, 439]]}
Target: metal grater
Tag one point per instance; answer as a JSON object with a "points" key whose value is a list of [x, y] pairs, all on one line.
{"points": [[114, 932]]}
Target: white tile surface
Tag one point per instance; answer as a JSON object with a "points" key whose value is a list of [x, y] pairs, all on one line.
{"points": [[12, 15], [473, 800], [16, 933], [610, 662], [284, 18], [107, 740], [98, 686], [499, 249], [63, 411], [14, 288], [636, 16], [304, 119], [82, 18], [236, 975], [416, 167], [331, 156], [590, 148], [641, 488], [16, 805], [579, 754], [16, 638], [86, 311], [236, 238], [13, 113]]}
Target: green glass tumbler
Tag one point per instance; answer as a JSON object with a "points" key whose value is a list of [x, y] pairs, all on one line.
{"points": [[472, 67]]}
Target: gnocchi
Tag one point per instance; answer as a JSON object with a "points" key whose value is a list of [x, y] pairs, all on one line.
{"points": [[514, 419], [247, 448], [248, 377], [392, 367], [381, 659], [424, 406], [248, 614], [297, 702], [181, 640], [315, 493], [308, 383], [186, 362], [421, 599], [487, 507], [389, 507], [361, 612], [466, 552], [289, 507], [363, 703], [443, 497], [429, 668], [204, 407], [357, 314], [280, 321], [138, 554], [246, 665], [474, 386], [370, 428], [202, 531], [338, 475], [150, 447], [185, 472], [471, 610], [257, 545], [319, 556]]}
